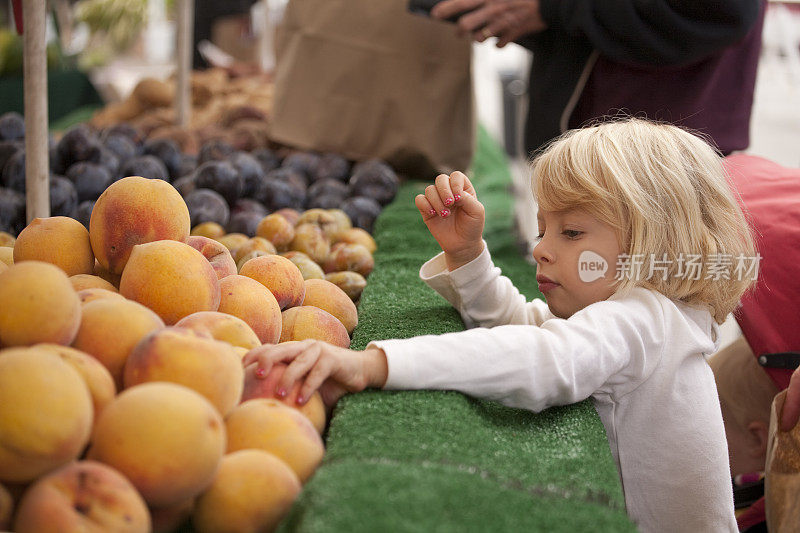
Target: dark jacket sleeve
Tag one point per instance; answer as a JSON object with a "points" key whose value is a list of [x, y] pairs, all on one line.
{"points": [[651, 32]]}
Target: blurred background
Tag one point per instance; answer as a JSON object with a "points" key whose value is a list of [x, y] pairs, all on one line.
{"points": [[117, 43]]}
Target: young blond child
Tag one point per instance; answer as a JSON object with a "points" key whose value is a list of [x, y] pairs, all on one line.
{"points": [[615, 194]]}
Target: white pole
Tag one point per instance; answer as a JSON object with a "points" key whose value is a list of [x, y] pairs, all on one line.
{"points": [[185, 36], [35, 87]]}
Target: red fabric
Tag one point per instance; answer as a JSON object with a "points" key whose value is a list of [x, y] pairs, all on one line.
{"points": [[770, 314], [755, 514], [18, 15]]}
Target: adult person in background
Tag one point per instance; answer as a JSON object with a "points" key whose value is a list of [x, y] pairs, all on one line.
{"points": [[689, 62]]}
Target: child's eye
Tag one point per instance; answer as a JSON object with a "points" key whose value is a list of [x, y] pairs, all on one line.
{"points": [[540, 237], [571, 233]]}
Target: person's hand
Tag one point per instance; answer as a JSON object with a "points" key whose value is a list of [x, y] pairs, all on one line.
{"points": [[454, 216], [791, 405], [508, 20], [333, 370]]}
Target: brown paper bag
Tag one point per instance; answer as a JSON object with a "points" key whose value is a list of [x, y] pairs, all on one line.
{"points": [[366, 78], [782, 482]]}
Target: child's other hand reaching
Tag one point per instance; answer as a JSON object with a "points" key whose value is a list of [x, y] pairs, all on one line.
{"points": [[454, 216], [333, 370]]}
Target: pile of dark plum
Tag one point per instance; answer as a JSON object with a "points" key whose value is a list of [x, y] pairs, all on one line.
{"points": [[232, 188]]}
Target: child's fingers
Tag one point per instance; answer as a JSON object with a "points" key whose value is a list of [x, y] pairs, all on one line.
{"points": [[315, 378], [263, 357], [459, 182], [299, 367], [425, 209], [432, 195], [446, 194], [253, 355], [456, 182], [470, 205], [468, 188], [267, 355]]}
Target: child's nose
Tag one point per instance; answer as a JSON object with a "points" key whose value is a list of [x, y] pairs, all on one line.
{"points": [[541, 253]]}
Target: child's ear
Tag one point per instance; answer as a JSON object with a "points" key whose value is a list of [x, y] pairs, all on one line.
{"points": [[758, 435]]}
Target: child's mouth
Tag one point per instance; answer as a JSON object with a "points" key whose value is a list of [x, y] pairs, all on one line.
{"points": [[545, 284]]}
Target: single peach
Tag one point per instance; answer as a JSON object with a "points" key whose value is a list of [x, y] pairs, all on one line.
{"points": [[233, 240], [252, 491], [133, 211], [97, 377], [165, 438], [280, 276], [309, 322], [277, 229], [356, 236], [61, 241], [251, 301], [259, 244], [171, 278], [88, 295], [82, 496], [343, 221], [37, 304], [212, 230], [309, 239], [353, 257], [182, 356], [222, 327], [45, 413], [352, 283], [90, 281], [308, 268], [292, 215], [217, 254], [326, 295], [326, 221], [248, 256], [269, 425], [255, 387], [110, 329]]}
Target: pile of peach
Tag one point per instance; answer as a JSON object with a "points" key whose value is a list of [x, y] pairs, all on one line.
{"points": [[124, 403]]}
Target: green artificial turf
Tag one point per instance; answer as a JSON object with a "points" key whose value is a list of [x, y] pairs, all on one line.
{"points": [[442, 461]]}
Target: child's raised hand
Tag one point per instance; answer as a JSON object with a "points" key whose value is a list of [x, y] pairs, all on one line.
{"points": [[333, 370], [454, 216]]}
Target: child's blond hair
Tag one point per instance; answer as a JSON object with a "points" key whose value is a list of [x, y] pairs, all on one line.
{"points": [[664, 190], [745, 390]]}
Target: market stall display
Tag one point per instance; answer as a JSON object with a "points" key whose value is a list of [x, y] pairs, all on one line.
{"points": [[172, 251]]}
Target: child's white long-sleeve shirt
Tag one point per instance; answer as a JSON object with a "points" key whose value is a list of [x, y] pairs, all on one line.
{"points": [[640, 357]]}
